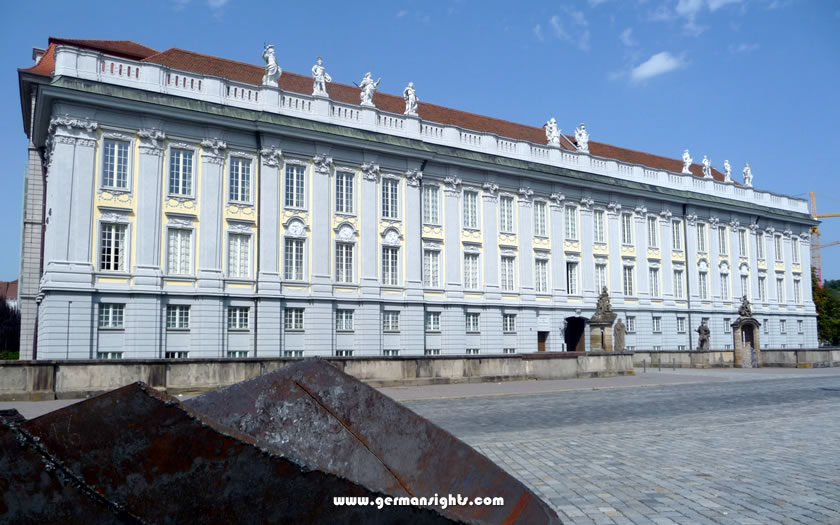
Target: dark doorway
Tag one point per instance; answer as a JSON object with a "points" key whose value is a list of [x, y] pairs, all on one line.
{"points": [[542, 337], [749, 335], [573, 335]]}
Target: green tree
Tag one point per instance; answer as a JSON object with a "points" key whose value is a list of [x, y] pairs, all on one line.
{"points": [[9, 330], [828, 310]]}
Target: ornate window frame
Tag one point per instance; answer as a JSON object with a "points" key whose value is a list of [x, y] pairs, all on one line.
{"points": [[179, 145], [117, 135], [177, 221]]}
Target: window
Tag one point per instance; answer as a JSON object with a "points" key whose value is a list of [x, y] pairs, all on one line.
{"points": [[239, 254], [780, 255], [390, 321], [626, 228], [431, 205], [657, 348], [344, 320], [599, 225], [506, 214], [745, 286], [344, 353], [293, 319], [795, 249], [180, 248], [679, 284], [782, 326], [433, 321], [294, 186], [508, 350], [111, 315], [743, 244], [471, 271], [240, 180], [727, 325], [541, 274], [509, 323], [703, 285], [472, 351], [390, 198], [653, 232], [762, 288], [600, 277], [177, 317], [431, 351], [343, 192], [112, 247], [115, 164], [797, 291], [390, 266], [759, 245], [390, 353], [780, 289], [724, 287], [180, 172], [293, 260], [292, 353], [631, 324], [431, 268], [344, 262], [681, 348], [539, 219], [702, 245], [676, 235], [109, 355], [237, 354], [800, 328], [767, 326], [571, 223], [470, 209], [653, 274], [657, 325], [473, 322], [508, 273], [238, 318], [177, 355], [627, 275], [723, 240], [572, 278], [681, 325]]}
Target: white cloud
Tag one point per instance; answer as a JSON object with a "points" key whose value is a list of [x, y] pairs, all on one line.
{"points": [[576, 31], [689, 8], [401, 13], [658, 64], [538, 33], [596, 3], [689, 11], [714, 5], [217, 4], [743, 48], [626, 37]]}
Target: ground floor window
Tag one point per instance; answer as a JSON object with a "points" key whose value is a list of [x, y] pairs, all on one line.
{"points": [[292, 353], [177, 355], [343, 353], [109, 355], [509, 350], [390, 353], [178, 317], [237, 354], [472, 351], [431, 351]]}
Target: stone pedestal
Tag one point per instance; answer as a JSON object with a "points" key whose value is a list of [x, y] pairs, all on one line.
{"points": [[601, 337], [746, 340]]}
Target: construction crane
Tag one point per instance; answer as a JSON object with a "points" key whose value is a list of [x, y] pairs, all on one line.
{"points": [[816, 247]]}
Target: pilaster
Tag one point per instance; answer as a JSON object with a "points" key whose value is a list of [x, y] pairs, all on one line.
{"points": [[413, 224], [147, 270], [368, 214], [452, 237], [211, 232], [490, 212], [268, 279]]}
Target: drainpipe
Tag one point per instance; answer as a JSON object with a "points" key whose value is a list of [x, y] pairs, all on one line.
{"points": [[687, 280], [257, 241]]}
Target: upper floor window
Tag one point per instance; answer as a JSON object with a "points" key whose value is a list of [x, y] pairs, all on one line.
{"points": [[780, 254], [745, 286], [115, 164], [239, 251], [571, 223], [111, 315], [344, 192], [703, 285], [539, 219], [238, 318], [724, 286], [795, 249], [780, 289], [626, 228], [759, 245], [572, 278], [344, 320], [390, 321], [797, 291], [473, 322], [506, 214], [344, 262], [390, 198], [179, 260], [599, 223], [433, 321], [240, 180], [541, 275], [178, 317], [702, 241], [293, 319], [600, 277], [431, 268], [180, 172], [295, 186], [471, 280], [679, 284], [723, 240], [508, 273], [653, 232], [509, 323], [431, 204], [293, 260], [470, 209], [627, 274], [390, 266], [743, 245], [676, 235], [762, 288], [653, 274], [112, 247]]}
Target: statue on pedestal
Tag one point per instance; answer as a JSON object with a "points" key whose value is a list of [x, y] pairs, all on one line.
{"points": [[320, 77], [687, 160], [727, 170], [707, 167], [748, 176], [552, 133], [618, 335], [582, 138], [368, 87], [410, 97], [272, 70], [745, 310], [705, 335]]}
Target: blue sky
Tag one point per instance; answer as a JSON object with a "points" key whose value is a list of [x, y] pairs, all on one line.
{"points": [[748, 80]]}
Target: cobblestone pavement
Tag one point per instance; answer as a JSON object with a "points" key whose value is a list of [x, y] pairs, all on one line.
{"points": [[733, 452]]}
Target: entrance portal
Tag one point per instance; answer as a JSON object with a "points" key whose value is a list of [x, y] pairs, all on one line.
{"points": [[574, 334], [542, 337]]}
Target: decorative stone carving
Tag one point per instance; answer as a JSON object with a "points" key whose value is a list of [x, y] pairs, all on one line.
{"points": [[320, 77], [770, 230], [272, 70], [525, 195], [618, 336], [745, 310], [805, 236], [216, 145], [582, 138], [705, 336], [295, 228], [557, 198], [687, 160], [753, 227], [413, 177], [604, 307], [641, 210], [370, 171], [727, 171], [490, 188], [614, 207], [391, 237], [587, 202], [452, 185], [322, 164], [72, 122], [368, 89], [150, 141], [552, 133], [239, 227], [271, 156], [787, 234], [114, 216], [179, 222], [88, 143], [345, 233], [691, 219], [707, 167], [714, 222], [666, 215], [748, 175], [735, 224], [410, 97]]}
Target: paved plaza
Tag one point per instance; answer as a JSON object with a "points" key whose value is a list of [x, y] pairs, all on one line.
{"points": [[697, 446]]}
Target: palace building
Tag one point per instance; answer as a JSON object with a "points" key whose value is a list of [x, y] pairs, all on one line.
{"points": [[179, 205]]}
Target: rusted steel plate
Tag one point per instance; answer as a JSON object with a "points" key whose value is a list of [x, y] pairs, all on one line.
{"points": [[316, 415], [158, 461]]}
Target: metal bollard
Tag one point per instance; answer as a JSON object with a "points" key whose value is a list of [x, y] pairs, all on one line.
{"points": [[644, 365], [660, 363], [673, 365]]}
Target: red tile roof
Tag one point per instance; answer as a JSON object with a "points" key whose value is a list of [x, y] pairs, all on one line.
{"points": [[252, 74], [9, 289]]}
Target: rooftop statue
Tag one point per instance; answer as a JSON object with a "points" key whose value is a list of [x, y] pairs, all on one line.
{"points": [[582, 138], [707, 167], [687, 160], [410, 97], [321, 77], [272, 70], [745, 310], [552, 133], [727, 171], [368, 87], [748, 176]]}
